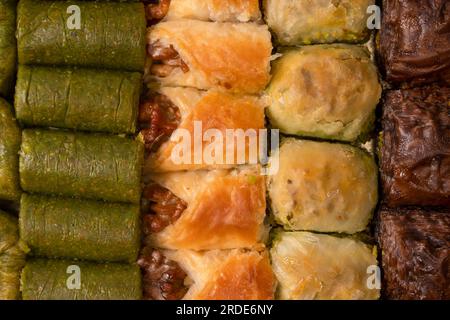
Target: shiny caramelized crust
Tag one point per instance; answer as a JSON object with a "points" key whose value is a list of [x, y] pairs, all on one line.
{"points": [[225, 210], [415, 41], [227, 275], [215, 110], [415, 248], [215, 10], [234, 57], [415, 149]]}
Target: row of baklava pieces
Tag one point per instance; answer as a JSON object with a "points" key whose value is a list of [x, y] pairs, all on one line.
{"points": [[165, 278], [56, 165], [204, 231], [414, 226], [305, 194], [414, 145], [223, 208]]}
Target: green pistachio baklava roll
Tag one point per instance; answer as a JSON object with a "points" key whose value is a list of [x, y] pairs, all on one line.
{"points": [[12, 257], [9, 158], [324, 91], [109, 35], [93, 166], [312, 21], [83, 99], [8, 54], [80, 229], [324, 187], [312, 266], [76, 280]]}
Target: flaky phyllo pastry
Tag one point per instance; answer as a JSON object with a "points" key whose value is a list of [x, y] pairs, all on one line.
{"points": [[179, 127], [228, 56], [204, 210], [323, 187], [238, 274], [206, 10], [312, 266]]}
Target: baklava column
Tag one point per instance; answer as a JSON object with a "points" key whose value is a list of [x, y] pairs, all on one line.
{"points": [[12, 250], [204, 218], [323, 98], [414, 223], [77, 95]]}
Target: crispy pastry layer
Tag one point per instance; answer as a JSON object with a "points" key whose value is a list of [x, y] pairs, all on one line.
{"points": [[415, 149], [324, 91], [312, 21], [323, 187], [214, 110], [226, 275], [233, 57], [225, 209], [312, 266], [215, 10], [415, 252]]}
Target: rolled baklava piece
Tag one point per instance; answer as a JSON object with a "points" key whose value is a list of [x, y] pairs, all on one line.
{"points": [[189, 129], [9, 149], [414, 42], [415, 247], [80, 229], [209, 275], [12, 257], [326, 91], [205, 10], [312, 266], [415, 147], [81, 99], [326, 21], [323, 187], [78, 280], [110, 35], [8, 55], [205, 210], [205, 55], [92, 166]]}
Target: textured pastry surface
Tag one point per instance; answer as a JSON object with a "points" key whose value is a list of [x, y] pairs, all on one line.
{"points": [[225, 209], [212, 110], [93, 166], [8, 55], [229, 56], [326, 91], [82, 99], [80, 229], [415, 149], [415, 41], [323, 187], [12, 257], [46, 279], [415, 248], [111, 35], [326, 21], [226, 274], [9, 149], [215, 10], [315, 266]]}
